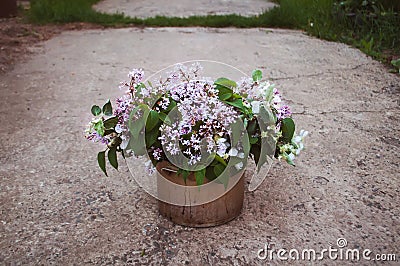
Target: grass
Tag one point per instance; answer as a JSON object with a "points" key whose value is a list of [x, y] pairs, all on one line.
{"points": [[371, 26]]}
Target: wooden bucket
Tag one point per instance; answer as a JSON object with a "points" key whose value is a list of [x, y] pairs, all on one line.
{"points": [[191, 206]]}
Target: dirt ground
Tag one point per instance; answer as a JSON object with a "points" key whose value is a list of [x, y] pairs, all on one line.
{"points": [[19, 38]]}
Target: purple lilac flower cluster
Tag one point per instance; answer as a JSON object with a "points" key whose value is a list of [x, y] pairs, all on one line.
{"points": [[96, 137], [204, 117]]}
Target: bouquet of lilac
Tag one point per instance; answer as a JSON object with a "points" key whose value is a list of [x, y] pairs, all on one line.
{"points": [[198, 124]]}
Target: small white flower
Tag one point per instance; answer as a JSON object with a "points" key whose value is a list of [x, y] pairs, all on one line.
{"points": [[222, 146], [255, 107], [239, 166], [233, 152], [303, 133], [129, 153], [145, 92], [119, 128], [264, 134], [299, 141], [277, 99], [221, 150], [299, 138], [124, 143], [300, 148], [221, 140], [263, 89]]}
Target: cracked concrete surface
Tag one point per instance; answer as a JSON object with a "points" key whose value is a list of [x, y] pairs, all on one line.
{"points": [[183, 8], [57, 207]]}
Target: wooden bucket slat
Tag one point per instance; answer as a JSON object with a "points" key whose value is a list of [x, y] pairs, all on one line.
{"points": [[217, 212]]}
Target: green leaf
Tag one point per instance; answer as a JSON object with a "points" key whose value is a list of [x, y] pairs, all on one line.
{"points": [[171, 105], [99, 127], [107, 108], [219, 159], [152, 120], [256, 151], [218, 169], [252, 127], [288, 129], [269, 94], [257, 75], [132, 123], [185, 175], [108, 131], [236, 103], [141, 85], [95, 110], [110, 122], [199, 175], [253, 140], [227, 83], [136, 146], [225, 96], [245, 121], [151, 137], [396, 63], [165, 119], [210, 173], [223, 90], [214, 163], [101, 159], [288, 160], [237, 131], [112, 157], [136, 126], [222, 179], [264, 153], [237, 96]]}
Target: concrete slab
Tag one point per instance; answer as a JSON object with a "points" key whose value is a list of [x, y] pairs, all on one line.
{"points": [[183, 8], [57, 208]]}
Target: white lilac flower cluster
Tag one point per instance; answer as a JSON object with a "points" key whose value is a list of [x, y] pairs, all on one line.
{"points": [[257, 94], [288, 151], [92, 134]]}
